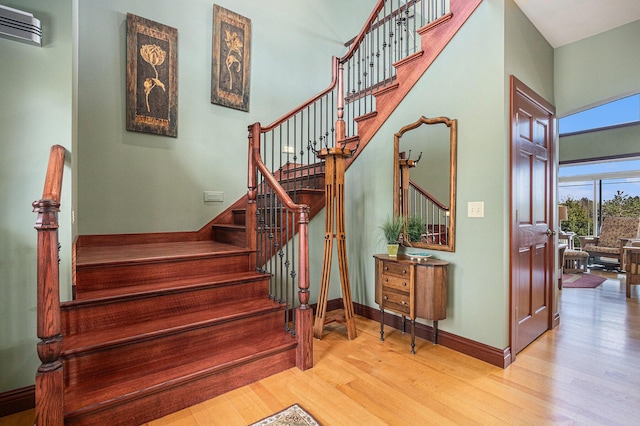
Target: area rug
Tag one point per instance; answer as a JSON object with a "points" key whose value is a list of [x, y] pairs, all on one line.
{"points": [[581, 280], [292, 416]]}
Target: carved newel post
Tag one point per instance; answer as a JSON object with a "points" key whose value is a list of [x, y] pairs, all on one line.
{"points": [[49, 378]]}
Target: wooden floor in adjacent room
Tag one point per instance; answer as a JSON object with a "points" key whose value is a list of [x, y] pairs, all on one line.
{"points": [[585, 372]]}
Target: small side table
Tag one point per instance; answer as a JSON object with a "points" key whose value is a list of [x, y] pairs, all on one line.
{"points": [[413, 288]]}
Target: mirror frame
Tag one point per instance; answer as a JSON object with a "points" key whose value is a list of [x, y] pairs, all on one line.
{"points": [[452, 124]]}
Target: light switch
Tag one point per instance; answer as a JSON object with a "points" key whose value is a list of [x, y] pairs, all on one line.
{"points": [[475, 209]]}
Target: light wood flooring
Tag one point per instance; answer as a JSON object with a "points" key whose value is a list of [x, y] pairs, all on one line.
{"points": [[585, 372]]}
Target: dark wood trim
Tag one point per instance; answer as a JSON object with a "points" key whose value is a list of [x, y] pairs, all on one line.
{"points": [[17, 400], [494, 356], [604, 158], [600, 129]]}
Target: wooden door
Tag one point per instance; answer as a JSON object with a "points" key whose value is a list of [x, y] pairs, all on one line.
{"points": [[532, 206]]}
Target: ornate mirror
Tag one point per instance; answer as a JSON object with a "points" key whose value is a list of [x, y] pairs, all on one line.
{"points": [[424, 179]]}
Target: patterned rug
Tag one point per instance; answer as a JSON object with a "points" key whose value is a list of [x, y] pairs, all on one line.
{"points": [[581, 280], [292, 416]]}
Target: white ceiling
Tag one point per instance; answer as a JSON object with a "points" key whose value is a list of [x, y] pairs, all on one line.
{"points": [[565, 21]]}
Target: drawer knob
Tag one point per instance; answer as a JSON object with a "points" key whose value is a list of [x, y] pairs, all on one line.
{"points": [[386, 298], [386, 280], [404, 271], [404, 302], [404, 283], [386, 268]]}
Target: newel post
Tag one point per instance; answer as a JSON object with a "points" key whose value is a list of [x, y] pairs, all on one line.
{"points": [[304, 313], [252, 187], [49, 378]]}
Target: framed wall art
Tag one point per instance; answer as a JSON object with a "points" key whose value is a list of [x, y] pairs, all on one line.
{"points": [[152, 77], [231, 58]]}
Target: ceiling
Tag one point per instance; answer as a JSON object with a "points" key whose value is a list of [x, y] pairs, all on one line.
{"points": [[565, 21]]}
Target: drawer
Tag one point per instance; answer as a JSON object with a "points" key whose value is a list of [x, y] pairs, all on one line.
{"points": [[397, 269], [397, 283], [398, 302]]}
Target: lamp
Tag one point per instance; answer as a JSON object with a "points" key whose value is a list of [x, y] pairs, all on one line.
{"points": [[562, 213]]}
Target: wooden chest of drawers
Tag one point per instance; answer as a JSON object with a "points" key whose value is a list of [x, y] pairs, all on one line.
{"points": [[414, 289]]}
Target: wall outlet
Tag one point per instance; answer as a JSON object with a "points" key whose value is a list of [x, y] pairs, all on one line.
{"points": [[286, 149], [213, 196], [475, 209]]}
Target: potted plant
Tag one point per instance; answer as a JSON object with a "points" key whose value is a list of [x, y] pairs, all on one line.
{"points": [[415, 229], [391, 230]]}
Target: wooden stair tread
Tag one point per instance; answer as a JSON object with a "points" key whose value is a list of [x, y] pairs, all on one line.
{"points": [[161, 287], [105, 255], [229, 226], [105, 338], [87, 397]]}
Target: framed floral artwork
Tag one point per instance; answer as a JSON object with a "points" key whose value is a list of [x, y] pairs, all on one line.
{"points": [[152, 77], [231, 58]]}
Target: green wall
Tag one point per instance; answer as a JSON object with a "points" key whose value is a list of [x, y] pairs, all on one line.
{"points": [[132, 182], [468, 81], [593, 71], [36, 105], [136, 182], [597, 69]]}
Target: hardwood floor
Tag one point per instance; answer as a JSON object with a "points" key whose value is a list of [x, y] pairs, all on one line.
{"points": [[585, 372]]}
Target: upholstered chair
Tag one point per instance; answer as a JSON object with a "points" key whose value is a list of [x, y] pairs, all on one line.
{"points": [[614, 235]]}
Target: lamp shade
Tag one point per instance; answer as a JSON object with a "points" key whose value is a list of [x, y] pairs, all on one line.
{"points": [[562, 213]]}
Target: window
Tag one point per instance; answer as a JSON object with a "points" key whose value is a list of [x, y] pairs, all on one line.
{"points": [[596, 190], [618, 112]]}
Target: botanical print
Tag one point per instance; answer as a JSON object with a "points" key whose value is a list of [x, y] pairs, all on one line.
{"points": [[152, 83], [154, 56], [234, 54], [230, 74]]}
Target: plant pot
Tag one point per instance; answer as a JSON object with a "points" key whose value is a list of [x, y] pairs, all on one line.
{"points": [[392, 249]]}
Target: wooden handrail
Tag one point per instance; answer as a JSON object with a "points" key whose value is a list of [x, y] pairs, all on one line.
{"points": [[304, 313], [426, 194], [49, 378], [365, 28], [53, 179]]}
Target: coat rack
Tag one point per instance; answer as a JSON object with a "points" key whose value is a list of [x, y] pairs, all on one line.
{"points": [[334, 228]]}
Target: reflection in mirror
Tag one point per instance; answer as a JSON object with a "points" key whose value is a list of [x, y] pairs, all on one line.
{"points": [[425, 179]]}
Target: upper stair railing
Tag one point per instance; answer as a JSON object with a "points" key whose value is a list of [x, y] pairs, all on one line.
{"points": [[283, 167], [49, 379], [431, 211]]}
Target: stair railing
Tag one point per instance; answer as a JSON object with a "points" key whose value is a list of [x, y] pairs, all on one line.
{"points": [[271, 221], [49, 378], [432, 212], [282, 160]]}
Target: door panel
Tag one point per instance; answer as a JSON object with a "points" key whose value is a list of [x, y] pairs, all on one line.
{"points": [[532, 192]]}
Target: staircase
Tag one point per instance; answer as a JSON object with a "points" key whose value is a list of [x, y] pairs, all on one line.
{"points": [[163, 321], [157, 327]]}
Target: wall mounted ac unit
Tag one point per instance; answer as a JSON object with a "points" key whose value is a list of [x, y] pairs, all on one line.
{"points": [[20, 26]]}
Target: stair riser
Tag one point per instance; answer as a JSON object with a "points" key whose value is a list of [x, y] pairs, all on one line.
{"points": [[96, 316], [144, 357], [239, 217], [237, 237], [101, 277], [170, 399]]}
